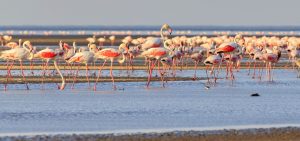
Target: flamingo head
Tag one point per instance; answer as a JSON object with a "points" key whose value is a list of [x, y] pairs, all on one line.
{"points": [[93, 47], [168, 28], [32, 53], [66, 46]]}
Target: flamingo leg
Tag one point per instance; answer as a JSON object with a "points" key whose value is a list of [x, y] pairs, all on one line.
{"points": [[254, 69], [271, 72], [161, 74], [75, 76], [152, 65], [87, 74], [249, 64], [43, 74], [8, 74], [5, 85], [298, 72], [70, 72], [218, 72], [22, 71], [111, 74], [272, 67], [206, 70], [227, 70], [99, 73], [231, 68], [131, 63], [261, 69], [31, 67], [9, 71], [195, 68], [181, 61], [293, 62], [213, 72], [174, 67]]}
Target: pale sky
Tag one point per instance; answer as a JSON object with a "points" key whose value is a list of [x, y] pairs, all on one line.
{"points": [[150, 12]]}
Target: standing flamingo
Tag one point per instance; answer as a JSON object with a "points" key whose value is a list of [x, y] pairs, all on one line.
{"points": [[212, 60], [50, 54], [156, 42], [271, 58], [18, 53], [154, 54], [91, 40], [295, 53], [84, 57], [153, 51], [230, 48], [197, 57], [109, 54], [6, 38], [101, 42], [112, 40]]}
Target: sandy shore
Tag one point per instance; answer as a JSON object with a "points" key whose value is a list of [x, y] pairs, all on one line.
{"points": [[57, 79], [251, 134], [137, 66]]}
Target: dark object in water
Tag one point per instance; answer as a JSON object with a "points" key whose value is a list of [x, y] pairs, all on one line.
{"points": [[207, 87], [255, 94]]}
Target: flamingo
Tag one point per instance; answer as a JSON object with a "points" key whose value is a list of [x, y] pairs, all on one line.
{"points": [[197, 57], [271, 58], [109, 54], [112, 40], [231, 59], [257, 56], [19, 53], [124, 48], [156, 42], [230, 48], [295, 53], [84, 57], [212, 60], [101, 42], [68, 53], [50, 54], [91, 40], [154, 54], [6, 38]]}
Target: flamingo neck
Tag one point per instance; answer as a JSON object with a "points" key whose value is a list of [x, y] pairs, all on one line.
{"points": [[123, 59], [20, 41], [63, 84], [161, 33]]}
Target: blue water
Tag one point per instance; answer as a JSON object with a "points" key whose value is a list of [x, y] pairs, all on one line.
{"points": [[148, 30]]}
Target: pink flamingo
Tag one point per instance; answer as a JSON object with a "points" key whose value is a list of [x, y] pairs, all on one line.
{"points": [[257, 56], [229, 48], [153, 42], [84, 57], [109, 54], [197, 57], [50, 54], [231, 59], [271, 58], [212, 60], [154, 54], [18, 53]]}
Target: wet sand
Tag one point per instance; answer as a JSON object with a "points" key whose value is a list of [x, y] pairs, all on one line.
{"points": [[257, 134], [81, 79]]}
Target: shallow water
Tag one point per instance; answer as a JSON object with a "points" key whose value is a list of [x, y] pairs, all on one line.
{"points": [[180, 105]]}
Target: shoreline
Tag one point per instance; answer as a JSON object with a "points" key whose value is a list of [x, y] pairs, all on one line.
{"points": [[248, 132]]}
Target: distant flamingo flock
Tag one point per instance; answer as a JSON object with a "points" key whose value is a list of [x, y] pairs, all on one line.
{"points": [[166, 54]]}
